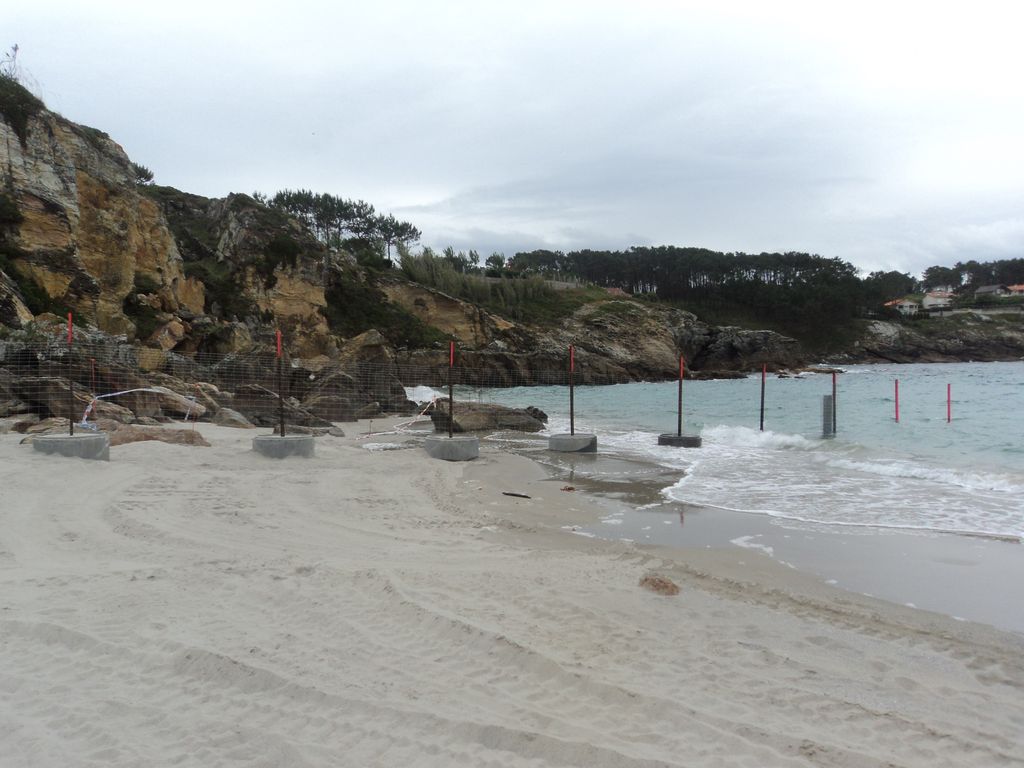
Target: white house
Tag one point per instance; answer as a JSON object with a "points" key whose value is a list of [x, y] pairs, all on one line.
{"points": [[937, 300], [904, 306], [1016, 290]]}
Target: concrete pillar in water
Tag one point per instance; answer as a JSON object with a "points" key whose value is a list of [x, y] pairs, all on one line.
{"points": [[827, 417]]}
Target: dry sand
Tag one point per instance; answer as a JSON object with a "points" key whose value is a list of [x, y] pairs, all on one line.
{"points": [[206, 607]]}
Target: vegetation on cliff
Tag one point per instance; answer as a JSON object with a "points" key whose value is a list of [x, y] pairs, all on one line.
{"points": [[343, 223], [530, 298], [17, 104]]}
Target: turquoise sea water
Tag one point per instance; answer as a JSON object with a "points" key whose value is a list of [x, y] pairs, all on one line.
{"points": [[963, 476]]}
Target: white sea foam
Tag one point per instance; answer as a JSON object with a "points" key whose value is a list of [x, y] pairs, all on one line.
{"points": [[972, 480], [747, 542], [422, 394]]}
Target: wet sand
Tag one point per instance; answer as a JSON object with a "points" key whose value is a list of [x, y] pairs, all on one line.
{"points": [[966, 577]]}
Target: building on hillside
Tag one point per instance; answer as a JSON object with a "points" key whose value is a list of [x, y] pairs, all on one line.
{"points": [[937, 300], [904, 306], [991, 291], [1016, 290]]}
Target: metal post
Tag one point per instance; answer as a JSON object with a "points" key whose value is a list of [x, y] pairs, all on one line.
{"points": [[897, 390], [835, 400], [280, 387], [764, 375], [71, 384], [827, 416], [572, 405], [451, 399], [949, 403], [679, 425]]}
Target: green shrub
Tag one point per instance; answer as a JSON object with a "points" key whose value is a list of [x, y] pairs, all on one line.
{"points": [[97, 139], [221, 288], [34, 295], [17, 106], [9, 213], [145, 284], [354, 307], [281, 250], [528, 299], [143, 315]]}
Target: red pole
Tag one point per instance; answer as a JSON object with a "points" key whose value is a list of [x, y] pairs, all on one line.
{"points": [[451, 403], [572, 405], [949, 403], [71, 383], [897, 401], [280, 387]]}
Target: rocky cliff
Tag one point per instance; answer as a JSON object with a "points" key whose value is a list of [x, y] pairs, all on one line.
{"points": [[83, 238], [972, 336], [79, 233], [170, 272]]}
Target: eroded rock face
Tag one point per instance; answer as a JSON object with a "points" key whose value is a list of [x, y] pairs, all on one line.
{"points": [[618, 340], [13, 311], [939, 340], [472, 326], [87, 236]]}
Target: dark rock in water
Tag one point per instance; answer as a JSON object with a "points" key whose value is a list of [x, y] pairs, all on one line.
{"points": [[714, 374], [483, 417], [537, 413]]}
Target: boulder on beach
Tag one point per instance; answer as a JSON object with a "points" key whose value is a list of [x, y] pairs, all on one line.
{"points": [[483, 417]]}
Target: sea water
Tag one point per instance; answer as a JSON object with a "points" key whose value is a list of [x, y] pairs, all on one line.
{"points": [[954, 462]]}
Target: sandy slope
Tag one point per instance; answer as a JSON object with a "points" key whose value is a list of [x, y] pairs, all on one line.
{"points": [[209, 607]]}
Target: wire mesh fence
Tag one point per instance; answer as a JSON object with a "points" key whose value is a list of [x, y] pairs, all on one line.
{"points": [[93, 379]]}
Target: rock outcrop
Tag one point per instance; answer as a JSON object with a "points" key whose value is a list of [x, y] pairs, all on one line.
{"points": [[79, 233], [967, 337], [86, 239], [482, 417], [615, 340]]}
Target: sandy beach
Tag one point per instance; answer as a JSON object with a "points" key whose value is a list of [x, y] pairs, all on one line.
{"points": [[371, 607]]}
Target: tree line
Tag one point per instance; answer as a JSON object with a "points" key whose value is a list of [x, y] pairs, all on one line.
{"points": [[340, 222]]}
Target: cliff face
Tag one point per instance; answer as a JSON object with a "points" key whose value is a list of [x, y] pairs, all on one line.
{"points": [[615, 340], [969, 337], [175, 271], [86, 235]]}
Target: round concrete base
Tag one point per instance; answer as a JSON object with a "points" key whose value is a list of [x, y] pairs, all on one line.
{"points": [[85, 445], [454, 448], [277, 447], [578, 443], [680, 441]]}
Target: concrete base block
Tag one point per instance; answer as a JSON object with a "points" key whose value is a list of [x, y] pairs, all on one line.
{"points": [[680, 441], [578, 443], [454, 448], [86, 445], [277, 447]]}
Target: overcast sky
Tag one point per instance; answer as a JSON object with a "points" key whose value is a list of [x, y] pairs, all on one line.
{"points": [[887, 134]]}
